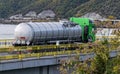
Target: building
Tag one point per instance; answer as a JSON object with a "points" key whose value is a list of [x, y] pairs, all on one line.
{"points": [[46, 14], [16, 17], [30, 15]]}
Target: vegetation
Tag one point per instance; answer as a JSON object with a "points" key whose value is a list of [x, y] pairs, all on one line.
{"points": [[63, 8], [100, 64], [108, 23]]}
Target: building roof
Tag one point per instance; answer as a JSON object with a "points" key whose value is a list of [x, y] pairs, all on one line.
{"points": [[46, 13], [17, 16], [31, 14]]}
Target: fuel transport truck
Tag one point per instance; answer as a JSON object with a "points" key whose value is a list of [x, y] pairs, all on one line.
{"points": [[37, 33]]}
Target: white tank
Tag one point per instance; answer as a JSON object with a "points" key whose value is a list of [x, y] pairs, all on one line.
{"points": [[36, 32]]}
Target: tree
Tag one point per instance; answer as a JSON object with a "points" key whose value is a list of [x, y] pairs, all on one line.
{"points": [[100, 64]]}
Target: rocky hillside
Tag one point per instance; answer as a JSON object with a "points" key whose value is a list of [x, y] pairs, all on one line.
{"points": [[63, 8]]}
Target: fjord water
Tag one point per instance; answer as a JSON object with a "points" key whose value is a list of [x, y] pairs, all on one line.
{"points": [[7, 31]]}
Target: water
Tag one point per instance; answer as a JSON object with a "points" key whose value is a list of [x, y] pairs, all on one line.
{"points": [[7, 31]]}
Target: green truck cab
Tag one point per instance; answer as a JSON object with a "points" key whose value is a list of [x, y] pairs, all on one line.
{"points": [[88, 28]]}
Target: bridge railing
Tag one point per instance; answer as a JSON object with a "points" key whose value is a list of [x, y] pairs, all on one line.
{"points": [[22, 52], [6, 42], [33, 55], [24, 55], [39, 55]]}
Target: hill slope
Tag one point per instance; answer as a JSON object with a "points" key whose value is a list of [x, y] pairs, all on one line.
{"points": [[63, 8], [103, 7]]}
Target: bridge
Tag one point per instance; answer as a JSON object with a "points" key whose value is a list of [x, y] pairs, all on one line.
{"points": [[20, 60], [41, 65]]}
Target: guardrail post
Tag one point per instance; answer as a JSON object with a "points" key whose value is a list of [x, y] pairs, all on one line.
{"points": [[38, 55], [20, 55]]}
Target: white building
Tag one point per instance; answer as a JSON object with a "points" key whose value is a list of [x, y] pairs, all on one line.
{"points": [[31, 14], [16, 17], [46, 14]]}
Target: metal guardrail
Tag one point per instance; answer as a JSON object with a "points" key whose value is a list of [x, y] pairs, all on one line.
{"points": [[8, 49], [21, 56], [38, 47], [24, 54], [6, 42], [113, 53], [35, 55]]}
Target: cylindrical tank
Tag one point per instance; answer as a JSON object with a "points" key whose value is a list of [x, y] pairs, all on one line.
{"points": [[37, 32]]}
